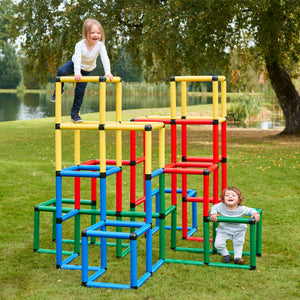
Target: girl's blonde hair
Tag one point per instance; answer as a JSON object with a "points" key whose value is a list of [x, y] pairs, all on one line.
{"points": [[87, 25], [236, 190]]}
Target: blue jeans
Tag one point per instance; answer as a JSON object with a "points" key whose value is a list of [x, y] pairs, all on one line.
{"points": [[66, 70]]}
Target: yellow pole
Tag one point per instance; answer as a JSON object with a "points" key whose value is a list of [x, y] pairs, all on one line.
{"points": [[118, 119], [77, 147], [148, 152], [183, 99], [161, 147], [58, 149], [173, 99], [58, 102], [215, 100], [118, 101], [223, 99], [102, 105], [58, 153], [102, 134]]}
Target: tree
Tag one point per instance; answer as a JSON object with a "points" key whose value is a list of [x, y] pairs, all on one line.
{"points": [[174, 37], [10, 71]]}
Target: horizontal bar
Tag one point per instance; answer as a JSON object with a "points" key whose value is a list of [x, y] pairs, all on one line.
{"points": [[124, 223], [198, 78], [186, 262], [234, 220], [89, 79], [108, 285]]}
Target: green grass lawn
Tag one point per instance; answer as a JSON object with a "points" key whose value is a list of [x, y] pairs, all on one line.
{"points": [[262, 164]]}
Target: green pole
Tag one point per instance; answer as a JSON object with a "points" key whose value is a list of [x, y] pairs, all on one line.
{"points": [[259, 235], [36, 229], [119, 241], [252, 244], [54, 226], [215, 226], [93, 220], [77, 234], [206, 240], [173, 228], [162, 219]]}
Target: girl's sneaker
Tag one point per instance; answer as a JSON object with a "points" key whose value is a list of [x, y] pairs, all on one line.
{"points": [[53, 96], [76, 118]]}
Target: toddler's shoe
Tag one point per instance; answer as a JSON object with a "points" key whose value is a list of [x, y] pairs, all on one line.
{"points": [[226, 259], [76, 118], [239, 261]]}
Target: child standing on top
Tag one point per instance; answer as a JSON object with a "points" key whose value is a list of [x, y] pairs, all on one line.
{"points": [[231, 206], [83, 62]]}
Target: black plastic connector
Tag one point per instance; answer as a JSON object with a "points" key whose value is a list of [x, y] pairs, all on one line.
{"points": [[148, 127], [57, 79], [133, 236], [252, 268], [183, 158], [59, 220], [252, 221], [148, 176], [83, 233], [162, 216], [215, 122], [132, 163], [102, 78], [223, 160], [57, 126], [184, 199], [36, 208], [205, 219], [206, 172], [172, 78], [102, 174], [173, 122], [118, 214], [58, 174], [215, 78], [132, 205], [101, 127]]}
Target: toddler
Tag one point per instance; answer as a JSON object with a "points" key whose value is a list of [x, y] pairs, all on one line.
{"points": [[231, 206]]}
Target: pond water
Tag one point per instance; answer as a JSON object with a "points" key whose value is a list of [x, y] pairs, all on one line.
{"points": [[36, 106]]}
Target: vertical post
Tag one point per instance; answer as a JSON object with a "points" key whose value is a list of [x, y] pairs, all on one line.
{"points": [[205, 215], [162, 219], [224, 134], [252, 244], [132, 174], [133, 263], [36, 231], [58, 222]]}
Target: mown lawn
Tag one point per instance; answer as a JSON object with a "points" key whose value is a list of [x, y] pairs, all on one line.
{"points": [[262, 164]]}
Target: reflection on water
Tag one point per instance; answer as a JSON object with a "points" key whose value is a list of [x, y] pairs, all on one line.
{"points": [[36, 106]]}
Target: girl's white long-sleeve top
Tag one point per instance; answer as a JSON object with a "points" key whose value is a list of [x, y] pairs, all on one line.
{"points": [[84, 59]]}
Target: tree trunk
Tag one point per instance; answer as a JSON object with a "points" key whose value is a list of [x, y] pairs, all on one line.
{"points": [[287, 95]]}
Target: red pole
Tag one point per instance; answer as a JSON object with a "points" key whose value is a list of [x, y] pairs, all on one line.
{"points": [[119, 191], [224, 155], [205, 195], [173, 160], [132, 167], [77, 192]]}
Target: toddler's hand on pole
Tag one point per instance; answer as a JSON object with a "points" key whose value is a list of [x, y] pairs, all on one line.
{"points": [[214, 218], [256, 217]]}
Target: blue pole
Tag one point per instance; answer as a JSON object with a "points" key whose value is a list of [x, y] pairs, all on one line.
{"points": [[58, 222], [103, 218], [84, 260], [133, 263]]}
